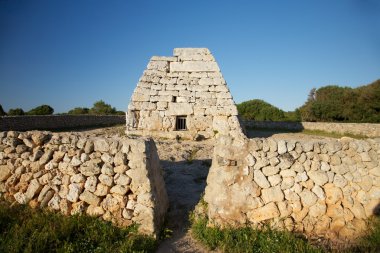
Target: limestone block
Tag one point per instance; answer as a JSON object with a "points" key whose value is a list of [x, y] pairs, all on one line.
{"points": [[101, 145], [260, 179], [119, 189], [89, 169], [168, 93], [34, 188], [158, 65], [163, 58], [5, 172], [198, 54], [89, 198], [138, 97], [194, 66], [180, 109], [287, 183], [333, 194], [168, 81], [162, 98], [266, 212], [225, 95], [95, 211], [20, 198], [78, 208], [317, 210], [317, 190], [74, 191], [101, 190], [220, 124], [54, 202], [282, 149], [206, 81], [308, 198], [121, 179], [318, 177], [90, 184], [106, 180], [272, 194]]}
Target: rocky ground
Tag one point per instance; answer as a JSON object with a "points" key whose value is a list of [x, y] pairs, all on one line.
{"points": [[186, 165]]}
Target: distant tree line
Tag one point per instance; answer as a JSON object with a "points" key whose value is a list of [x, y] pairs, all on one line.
{"points": [[326, 104], [99, 108]]}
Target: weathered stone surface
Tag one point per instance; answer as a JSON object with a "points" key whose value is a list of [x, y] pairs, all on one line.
{"points": [[89, 198], [34, 188], [260, 179], [333, 194], [5, 172], [194, 66], [319, 177], [90, 184], [101, 145], [266, 212], [272, 194], [74, 191], [282, 149], [308, 198]]}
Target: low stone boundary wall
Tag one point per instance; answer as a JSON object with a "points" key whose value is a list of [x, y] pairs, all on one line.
{"points": [[366, 129], [117, 179], [51, 122], [326, 188]]}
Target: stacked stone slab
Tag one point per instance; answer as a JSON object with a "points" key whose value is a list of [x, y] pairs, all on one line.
{"points": [[188, 84], [320, 188], [117, 179]]}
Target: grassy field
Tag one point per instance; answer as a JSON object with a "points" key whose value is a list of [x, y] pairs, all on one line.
{"points": [[267, 132], [23, 229], [239, 240]]}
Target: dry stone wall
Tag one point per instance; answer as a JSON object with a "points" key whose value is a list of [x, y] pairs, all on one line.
{"points": [[364, 129], [50, 122], [320, 188], [117, 179], [188, 85]]}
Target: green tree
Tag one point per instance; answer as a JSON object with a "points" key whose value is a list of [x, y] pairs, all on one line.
{"points": [[343, 104], [2, 112], [16, 112], [101, 108], [79, 110], [41, 110], [260, 110]]}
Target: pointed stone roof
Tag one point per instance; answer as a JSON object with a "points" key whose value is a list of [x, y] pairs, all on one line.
{"points": [[182, 96]]}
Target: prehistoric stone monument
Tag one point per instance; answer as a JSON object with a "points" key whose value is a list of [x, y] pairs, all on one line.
{"points": [[182, 96]]}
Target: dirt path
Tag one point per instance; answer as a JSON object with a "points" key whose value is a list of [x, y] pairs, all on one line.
{"points": [[186, 166]]}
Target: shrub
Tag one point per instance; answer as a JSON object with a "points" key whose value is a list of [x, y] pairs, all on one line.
{"points": [[101, 108], [260, 110], [16, 112], [79, 111], [41, 110], [2, 112]]}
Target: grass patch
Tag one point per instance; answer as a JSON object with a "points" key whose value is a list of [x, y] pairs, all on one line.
{"points": [[268, 240], [271, 131], [23, 229], [370, 242], [249, 239], [332, 134]]}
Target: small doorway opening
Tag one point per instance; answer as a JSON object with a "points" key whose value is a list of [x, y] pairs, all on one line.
{"points": [[180, 123]]}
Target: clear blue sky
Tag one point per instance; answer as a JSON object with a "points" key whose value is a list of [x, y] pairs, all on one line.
{"points": [[70, 53]]}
